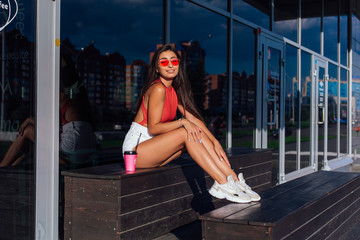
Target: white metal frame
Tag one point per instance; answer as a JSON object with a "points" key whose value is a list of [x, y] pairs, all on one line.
{"points": [[315, 108], [47, 119], [265, 41]]}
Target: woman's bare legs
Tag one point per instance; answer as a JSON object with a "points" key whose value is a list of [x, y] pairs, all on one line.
{"points": [[225, 168], [160, 149], [17, 146]]}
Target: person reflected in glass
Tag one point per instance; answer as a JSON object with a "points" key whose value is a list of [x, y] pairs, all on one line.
{"points": [[163, 139], [77, 139]]}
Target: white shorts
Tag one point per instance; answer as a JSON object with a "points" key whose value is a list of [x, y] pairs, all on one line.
{"points": [[133, 134], [77, 135]]}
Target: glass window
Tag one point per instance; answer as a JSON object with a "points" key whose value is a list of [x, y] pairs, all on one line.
{"points": [[18, 119], [109, 60], [205, 50], [244, 86], [332, 111], [285, 19], [343, 111], [330, 29], [356, 41], [291, 108], [343, 33], [257, 12], [311, 24], [305, 109], [355, 111]]}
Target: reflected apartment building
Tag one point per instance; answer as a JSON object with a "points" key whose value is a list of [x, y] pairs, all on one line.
{"points": [[285, 73]]}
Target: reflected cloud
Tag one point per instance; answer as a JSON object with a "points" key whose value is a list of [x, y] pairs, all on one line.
{"points": [[287, 25], [309, 23]]}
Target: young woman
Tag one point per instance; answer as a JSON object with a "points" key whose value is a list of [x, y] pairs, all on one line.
{"points": [[163, 139]]}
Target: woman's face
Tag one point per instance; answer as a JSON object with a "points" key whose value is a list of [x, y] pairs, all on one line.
{"points": [[167, 66]]}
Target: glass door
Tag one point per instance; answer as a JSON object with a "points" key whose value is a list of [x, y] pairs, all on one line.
{"points": [[318, 154], [272, 130]]}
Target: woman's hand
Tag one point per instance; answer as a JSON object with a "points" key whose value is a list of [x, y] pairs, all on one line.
{"points": [[193, 131], [25, 124], [220, 152]]}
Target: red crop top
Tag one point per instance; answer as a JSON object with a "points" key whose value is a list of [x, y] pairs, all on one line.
{"points": [[170, 106], [63, 111]]}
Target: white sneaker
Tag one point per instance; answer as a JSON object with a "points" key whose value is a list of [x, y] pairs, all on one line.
{"points": [[229, 191], [246, 188]]}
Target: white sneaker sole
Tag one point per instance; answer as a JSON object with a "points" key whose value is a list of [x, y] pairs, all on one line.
{"points": [[220, 195]]}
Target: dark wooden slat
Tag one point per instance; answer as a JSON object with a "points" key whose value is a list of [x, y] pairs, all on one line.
{"points": [[219, 214], [277, 207], [94, 189], [252, 160], [90, 229], [288, 186], [286, 205], [158, 228], [199, 204], [354, 232], [318, 213], [117, 171], [232, 231], [319, 219], [342, 222]]}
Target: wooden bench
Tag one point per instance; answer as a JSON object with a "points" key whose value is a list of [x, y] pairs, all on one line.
{"points": [[17, 203], [322, 205], [105, 202]]}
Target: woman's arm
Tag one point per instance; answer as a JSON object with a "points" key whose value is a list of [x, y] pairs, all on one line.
{"points": [[154, 100]]}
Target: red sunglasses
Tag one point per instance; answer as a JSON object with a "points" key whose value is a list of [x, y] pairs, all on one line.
{"points": [[164, 62]]}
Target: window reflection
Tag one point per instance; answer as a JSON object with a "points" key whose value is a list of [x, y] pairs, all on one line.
{"points": [[285, 19], [205, 54], [305, 109], [343, 40], [343, 32], [255, 11], [343, 111], [355, 112], [356, 41], [111, 62], [330, 22], [332, 111], [218, 3], [17, 123], [311, 24], [291, 109], [244, 86]]}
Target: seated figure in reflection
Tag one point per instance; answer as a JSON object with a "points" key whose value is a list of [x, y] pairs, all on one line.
{"points": [[77, 140], [163, 139]]}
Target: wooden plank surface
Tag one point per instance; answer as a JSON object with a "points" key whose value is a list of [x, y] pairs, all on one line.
{"points": [[317, 214], [232, 231], [273, 209], [315, 206], [117, 170]]}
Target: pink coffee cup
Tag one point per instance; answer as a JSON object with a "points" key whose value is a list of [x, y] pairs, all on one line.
{"points": [[130, 160]]}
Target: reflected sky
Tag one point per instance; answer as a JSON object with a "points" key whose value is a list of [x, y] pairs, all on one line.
{"points": [[130, 27]]}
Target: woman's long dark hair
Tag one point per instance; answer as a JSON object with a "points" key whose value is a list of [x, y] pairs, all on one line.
{"points": [[180, 83]]}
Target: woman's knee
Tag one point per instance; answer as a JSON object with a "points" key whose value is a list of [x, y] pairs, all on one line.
{"points": [[182, 133]]}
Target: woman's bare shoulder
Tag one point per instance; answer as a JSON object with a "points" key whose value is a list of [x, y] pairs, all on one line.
{"points": [[157, 88]]}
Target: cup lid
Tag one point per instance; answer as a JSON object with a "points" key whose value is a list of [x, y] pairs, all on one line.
{"points": [[130, 152]]}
